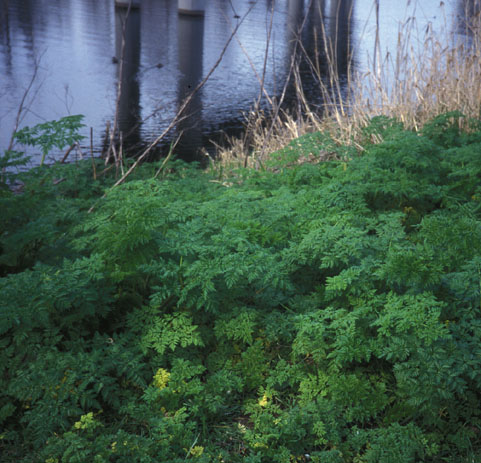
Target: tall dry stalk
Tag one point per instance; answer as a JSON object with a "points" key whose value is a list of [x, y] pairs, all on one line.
{"points": [[430, 72]]}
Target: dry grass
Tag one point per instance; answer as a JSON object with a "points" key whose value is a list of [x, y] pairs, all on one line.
{"points": [[419, 82], [263, 134], [429, 73]]}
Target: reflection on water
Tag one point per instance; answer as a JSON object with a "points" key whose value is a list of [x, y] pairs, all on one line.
{"points": [[128, 28], [74, 43], [190, 43], [339, 27]]}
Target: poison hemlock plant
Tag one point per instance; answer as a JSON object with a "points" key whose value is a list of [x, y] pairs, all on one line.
{"points": [[322, 313], [53, 134]]}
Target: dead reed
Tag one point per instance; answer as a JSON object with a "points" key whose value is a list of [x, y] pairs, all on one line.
{"points": [[430, 72]]}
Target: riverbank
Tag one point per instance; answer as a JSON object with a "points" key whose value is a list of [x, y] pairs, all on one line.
{"points": [[153, 88], [299, 312], [429, 72]]}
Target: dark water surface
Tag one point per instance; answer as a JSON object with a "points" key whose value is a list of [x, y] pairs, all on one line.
{"points": [[75, 43]]}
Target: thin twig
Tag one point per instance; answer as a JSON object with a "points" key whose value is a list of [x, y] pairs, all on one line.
{"points": [[121, 154], [169, 155], [65, 156], [21, 111], [377, 50], [266, 54], [21, 107], [192, 446], [249, 60], [94, 169]]}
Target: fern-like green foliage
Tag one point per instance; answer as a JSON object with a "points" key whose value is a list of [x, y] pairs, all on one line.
{"points": [[52, 134], [321, 312]]}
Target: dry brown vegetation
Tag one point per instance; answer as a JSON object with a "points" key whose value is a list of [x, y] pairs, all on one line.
{"points": [[430, 72]]}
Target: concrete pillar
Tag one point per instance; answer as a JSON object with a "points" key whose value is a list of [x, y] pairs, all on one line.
{"points": [[192, 7]]}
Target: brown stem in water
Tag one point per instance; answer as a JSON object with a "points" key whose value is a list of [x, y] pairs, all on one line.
{"points": [[94, 169], [21, 111], [21, 107], [65, 156]]}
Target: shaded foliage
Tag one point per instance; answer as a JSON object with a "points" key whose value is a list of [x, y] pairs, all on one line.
{"points": [[324, 313]]}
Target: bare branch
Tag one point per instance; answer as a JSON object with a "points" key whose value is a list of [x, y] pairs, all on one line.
{"points": [[21, 107]]}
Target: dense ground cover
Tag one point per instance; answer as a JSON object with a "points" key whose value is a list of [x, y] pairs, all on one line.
{"points": [[322, 312]]}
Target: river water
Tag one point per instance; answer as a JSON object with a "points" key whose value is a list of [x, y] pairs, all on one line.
{"points": [[75, 45]]}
